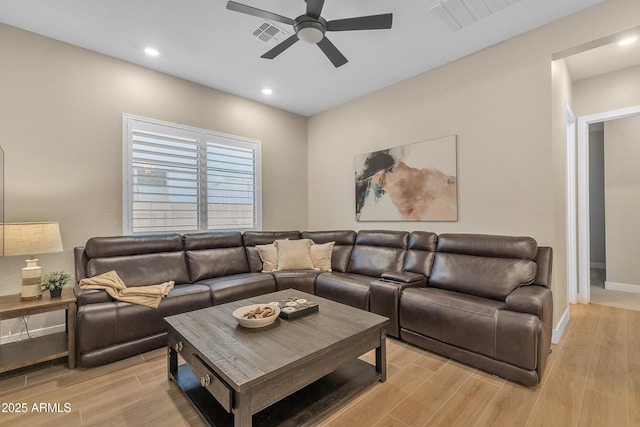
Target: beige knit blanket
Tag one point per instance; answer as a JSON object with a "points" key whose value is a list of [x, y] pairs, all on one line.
{"points": [[149, 295]]}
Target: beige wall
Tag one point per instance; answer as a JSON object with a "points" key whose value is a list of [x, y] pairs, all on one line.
{"points": [[622, 204], [60, 126], [607, 92], [61, 108], [561, 97], [511, 150]]}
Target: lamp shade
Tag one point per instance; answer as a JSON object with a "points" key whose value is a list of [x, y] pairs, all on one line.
{"points": [[32, 238]]}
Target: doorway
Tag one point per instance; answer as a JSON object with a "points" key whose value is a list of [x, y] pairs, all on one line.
{"points": [[599, 77], [583, 226]]}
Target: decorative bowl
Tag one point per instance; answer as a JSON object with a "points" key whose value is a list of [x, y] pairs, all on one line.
{"points": [[250, 316]]}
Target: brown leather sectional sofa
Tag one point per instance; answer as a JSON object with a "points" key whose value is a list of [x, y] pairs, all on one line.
{"points": [[481, 299]]}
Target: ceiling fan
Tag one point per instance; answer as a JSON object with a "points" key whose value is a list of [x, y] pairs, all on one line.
{"points": [[311, 28]]}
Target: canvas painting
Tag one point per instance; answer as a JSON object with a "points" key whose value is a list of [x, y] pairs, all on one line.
{"points": [[414, 182]]}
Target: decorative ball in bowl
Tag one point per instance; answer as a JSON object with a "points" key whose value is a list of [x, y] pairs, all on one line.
{"points": [[256, 315]]}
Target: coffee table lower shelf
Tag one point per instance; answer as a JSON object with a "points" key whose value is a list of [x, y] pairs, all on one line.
{"points": [[299, 409]]}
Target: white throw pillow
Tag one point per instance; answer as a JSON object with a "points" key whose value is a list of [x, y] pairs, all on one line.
{"points": [[269, 257], [321, 255], [294, 254]]}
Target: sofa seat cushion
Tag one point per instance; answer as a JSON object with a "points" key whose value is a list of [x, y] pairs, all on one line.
{"points": [[239, 286], [346, 288], [121, 322], [302, 280], [136, 321], [182, 293], [462, 320], [473, 323]]}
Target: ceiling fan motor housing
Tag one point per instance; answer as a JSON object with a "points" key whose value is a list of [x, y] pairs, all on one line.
{"points": [[310, 30]]}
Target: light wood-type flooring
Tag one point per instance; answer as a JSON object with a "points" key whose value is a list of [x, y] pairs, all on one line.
{"points": [[593, 379]]}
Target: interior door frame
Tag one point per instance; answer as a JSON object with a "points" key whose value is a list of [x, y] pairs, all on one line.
{"points": [[584, 247], [571, 206]]}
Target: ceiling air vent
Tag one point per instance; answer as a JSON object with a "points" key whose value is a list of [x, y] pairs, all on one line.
{"points": [[269, 33], [457, 14]]}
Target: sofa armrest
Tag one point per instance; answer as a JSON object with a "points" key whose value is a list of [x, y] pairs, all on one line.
{"points": [[384, 299], [536, 300], [90, 296], [531, 299], [403, 277]]}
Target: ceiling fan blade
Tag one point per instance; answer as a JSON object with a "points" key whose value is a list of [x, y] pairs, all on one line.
{"points": [[280, 48], [332, 52], [237, 7], [373, 22], [314, 8]]}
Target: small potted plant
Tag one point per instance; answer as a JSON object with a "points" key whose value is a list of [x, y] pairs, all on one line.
{"points": [[54, 282]]}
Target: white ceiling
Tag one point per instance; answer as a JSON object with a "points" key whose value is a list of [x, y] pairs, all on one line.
{"points": [[202, 41]]}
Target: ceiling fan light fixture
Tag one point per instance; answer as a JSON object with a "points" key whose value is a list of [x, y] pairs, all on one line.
{"points": [[310, 32], [311, 27]]}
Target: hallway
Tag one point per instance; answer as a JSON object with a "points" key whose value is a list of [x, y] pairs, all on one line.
{"points": [[610, 298]]}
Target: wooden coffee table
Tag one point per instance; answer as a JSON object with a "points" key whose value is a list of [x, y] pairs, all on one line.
{"points": [[287, 373]]}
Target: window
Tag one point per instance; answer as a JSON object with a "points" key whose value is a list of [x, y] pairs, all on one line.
{"points": [[178, 178]]}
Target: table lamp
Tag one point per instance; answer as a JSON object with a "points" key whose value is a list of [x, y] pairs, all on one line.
{"points": [[31, 238]]}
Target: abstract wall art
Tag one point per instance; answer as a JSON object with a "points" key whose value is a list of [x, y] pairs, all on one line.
{"points": [[414, 182]]}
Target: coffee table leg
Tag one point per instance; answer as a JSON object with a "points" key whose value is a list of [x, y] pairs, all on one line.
{"points": [[381, 357], [242, 410], [172, 362]]}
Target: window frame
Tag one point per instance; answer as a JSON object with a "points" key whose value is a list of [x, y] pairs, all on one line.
{"points": [[203, 136]]}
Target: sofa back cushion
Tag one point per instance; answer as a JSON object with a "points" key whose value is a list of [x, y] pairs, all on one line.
{"points": [[544, 262], [252, 238], [341, 252], [420, 253], [101, 247], [138, 260], [482, 265], [378, 251], [215, 254], [489, 245]]}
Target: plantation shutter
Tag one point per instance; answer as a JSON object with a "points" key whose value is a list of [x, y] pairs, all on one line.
{"points": [[182, 179], [231, 192], [165, 183]]}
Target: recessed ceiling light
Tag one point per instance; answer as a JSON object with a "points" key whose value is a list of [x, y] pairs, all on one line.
{"points": [[267, 91], [627, 41], [151, 51]]}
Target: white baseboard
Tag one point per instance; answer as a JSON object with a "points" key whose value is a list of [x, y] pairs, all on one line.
{"points": [[623, 287], [6, 339], [559, 330], [600, 265]]}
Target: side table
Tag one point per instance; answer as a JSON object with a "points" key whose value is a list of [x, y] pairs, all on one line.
{"points": [[39, 349]]}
